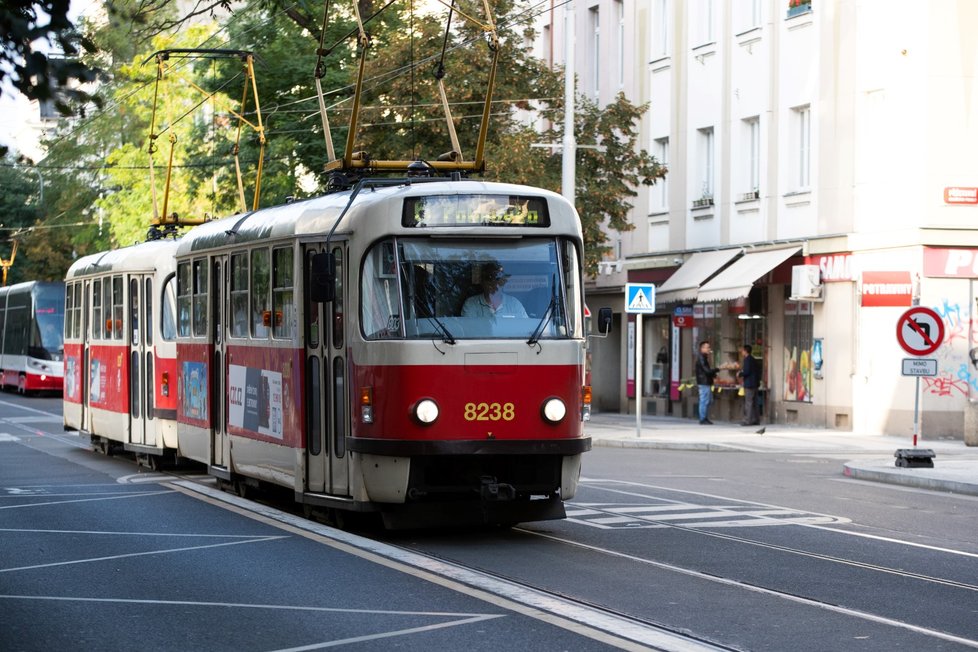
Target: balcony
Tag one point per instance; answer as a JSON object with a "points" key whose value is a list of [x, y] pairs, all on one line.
{"points": [[750, 196], [703, 202], [798, 7]]}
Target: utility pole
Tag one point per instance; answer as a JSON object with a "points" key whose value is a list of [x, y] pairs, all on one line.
{"points": [[568, 178]]}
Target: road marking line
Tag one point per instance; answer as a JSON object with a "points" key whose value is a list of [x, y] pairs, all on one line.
{"points": [[760, 589], [814, 526], [48, 418], [89, 500], [399, 632], [14, 492], [140, 554], [247, 605], [135, 534], [141, 478], [566, 614], [6, 436], [26, 408]]}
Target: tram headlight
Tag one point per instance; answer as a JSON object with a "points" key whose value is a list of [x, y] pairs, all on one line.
{"points": [[554, 410], [426, 411]]}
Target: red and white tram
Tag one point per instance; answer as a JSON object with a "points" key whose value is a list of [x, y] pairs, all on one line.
{"points": [[410, 347], [120, 349]]}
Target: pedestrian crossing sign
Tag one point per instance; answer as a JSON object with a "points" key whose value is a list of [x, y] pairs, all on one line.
{"points": [[640, 298]]}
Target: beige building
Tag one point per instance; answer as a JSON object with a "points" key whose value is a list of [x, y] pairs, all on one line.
{"points": [[832, 141]]}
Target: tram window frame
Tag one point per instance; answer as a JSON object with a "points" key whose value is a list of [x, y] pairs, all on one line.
{"points": [[148, 317], [261, 315], [168, 317], [312, 308], [96, 325], [283, 293], [118, 308], [79, 310], [339, 303], [239, 294], [69, 309], [107, 309], [184, 299], [134, 310], [201, 276]]}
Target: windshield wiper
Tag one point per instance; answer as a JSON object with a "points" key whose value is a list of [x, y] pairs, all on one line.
{"points": [[538, 331], [448, 337]]}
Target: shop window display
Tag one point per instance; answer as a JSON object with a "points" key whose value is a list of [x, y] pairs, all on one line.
{"points": [[798, 339]]}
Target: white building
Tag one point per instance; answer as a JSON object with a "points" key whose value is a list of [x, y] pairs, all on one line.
{"points": [[835, 133]]}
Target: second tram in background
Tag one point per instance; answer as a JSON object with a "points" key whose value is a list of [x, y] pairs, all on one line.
{"points": [[412, 347], [31, 343]]}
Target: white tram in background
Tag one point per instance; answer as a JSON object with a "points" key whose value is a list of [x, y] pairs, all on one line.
{"points": [[355, 348], [31, 345]]}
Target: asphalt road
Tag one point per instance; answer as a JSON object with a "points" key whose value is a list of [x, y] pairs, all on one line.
{"points": [[748, 551]]}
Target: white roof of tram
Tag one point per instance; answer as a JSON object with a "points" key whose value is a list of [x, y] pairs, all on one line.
{"points": [[143, 257]]}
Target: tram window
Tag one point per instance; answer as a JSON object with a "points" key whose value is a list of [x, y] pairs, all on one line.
{"points": [[339, 411], [69, 308], [76, 328], [107, 306], [97, 309], [168, 324], [239, 295], [118, 307], [261, 316], [184, 293], [283, 304], [134, 310], [150, 385], [200, 298], [338, 305], [134, 384], [312, 309], [314, 400], [381, 316], [148, 298]]}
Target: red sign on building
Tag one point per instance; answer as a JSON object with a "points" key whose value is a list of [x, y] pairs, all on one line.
{"points": [[950, 263], [955, 195], [887, 289]]}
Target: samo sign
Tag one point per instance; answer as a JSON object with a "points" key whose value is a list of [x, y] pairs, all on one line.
{"points": [[950, 263]]}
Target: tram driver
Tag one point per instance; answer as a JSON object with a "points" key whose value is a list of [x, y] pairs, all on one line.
{"points": [[492, 302]]}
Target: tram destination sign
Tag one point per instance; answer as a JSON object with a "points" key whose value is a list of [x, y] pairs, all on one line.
{"points": [[475, 210], [919, 367]]}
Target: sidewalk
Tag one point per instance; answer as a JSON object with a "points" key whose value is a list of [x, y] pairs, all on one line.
{"points": [[871, 456]]}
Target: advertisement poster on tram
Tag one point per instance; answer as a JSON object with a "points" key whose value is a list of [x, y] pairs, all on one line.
{"points": [[255, 397], [195, 390]]}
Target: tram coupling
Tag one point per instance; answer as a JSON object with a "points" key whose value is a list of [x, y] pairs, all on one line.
{"points": [[493, 490]]}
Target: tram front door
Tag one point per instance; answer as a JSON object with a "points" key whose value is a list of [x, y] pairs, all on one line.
{"points": [[220, 449], [139, 353], [326, 387]]}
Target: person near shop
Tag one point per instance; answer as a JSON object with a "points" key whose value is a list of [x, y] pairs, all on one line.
{"points": [[705, 375], [750, 373]]}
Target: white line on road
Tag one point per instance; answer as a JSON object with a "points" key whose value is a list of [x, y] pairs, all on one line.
{"points": [[760, 589], [851, 533], [140, 554], [6, 436], [581, 619], [89, 500], [136, 534], [375, 637]]}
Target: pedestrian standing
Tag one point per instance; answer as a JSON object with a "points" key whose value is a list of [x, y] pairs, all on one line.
{"points": [[705, 374], [750, 372]]}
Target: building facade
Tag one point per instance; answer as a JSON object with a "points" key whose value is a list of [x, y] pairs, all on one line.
{"points": [[821, 181]]}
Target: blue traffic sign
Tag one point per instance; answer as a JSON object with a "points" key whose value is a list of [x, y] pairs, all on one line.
{"points": [[640, 298]]}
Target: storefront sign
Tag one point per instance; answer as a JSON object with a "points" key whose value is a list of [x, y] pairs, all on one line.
{"points": [[682, 317], [950, 263], [956, 195], [886, 289], [834, 268]]}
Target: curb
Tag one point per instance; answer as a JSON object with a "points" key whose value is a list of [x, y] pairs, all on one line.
{"points": [[908, 480], [697, 446]]}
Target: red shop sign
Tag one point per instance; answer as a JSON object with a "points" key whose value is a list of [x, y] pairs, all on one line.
{"points": [[950, 263], [887, 289]]}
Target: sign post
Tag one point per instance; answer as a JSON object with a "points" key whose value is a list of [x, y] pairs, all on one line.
{"points": [[920, 332], [639, 300]]}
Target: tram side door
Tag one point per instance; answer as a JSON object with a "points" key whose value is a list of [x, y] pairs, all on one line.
{"points": [[137, 358], [326, 386], [85, 338], [220, 446]]}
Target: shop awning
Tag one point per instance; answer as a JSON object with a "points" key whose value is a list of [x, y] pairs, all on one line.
{"points": [[736, 281], [685, 281]]}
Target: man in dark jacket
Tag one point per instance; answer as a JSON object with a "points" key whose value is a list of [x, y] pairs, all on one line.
{"points": [[750, 372], [705, 373]]}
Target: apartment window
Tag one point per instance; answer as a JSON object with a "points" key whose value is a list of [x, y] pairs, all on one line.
{"points": [[748, 14], [660, 191], [706, 163], [705, 22], [548, 46], [660, 28], [620, 10], [803, 142], [595, 50], [752, 155]]}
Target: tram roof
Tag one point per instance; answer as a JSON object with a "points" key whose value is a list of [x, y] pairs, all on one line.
{"points": [[317, 215], [143, 257]]}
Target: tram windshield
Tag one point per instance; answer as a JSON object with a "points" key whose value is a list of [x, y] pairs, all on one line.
{"points": [[419, 288], [47, 338]]}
